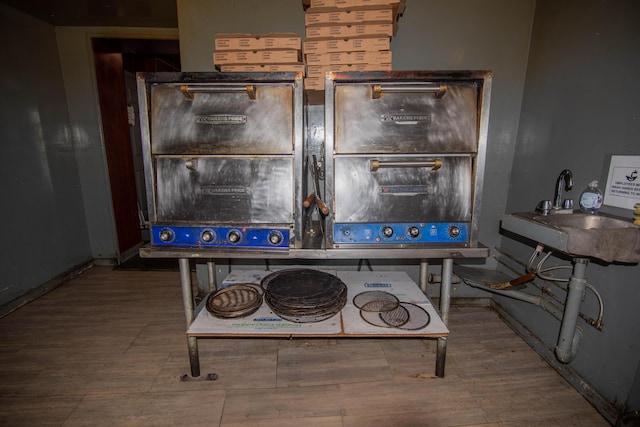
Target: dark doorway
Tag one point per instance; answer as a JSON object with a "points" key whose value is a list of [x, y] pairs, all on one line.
{"points": [[116, 64]]}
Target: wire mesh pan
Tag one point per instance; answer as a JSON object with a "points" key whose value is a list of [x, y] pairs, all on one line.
{"points": [[234, 301], [418, 317], [376, 301], [396, 317], [406, 316], [393, 318], [304, 295]]}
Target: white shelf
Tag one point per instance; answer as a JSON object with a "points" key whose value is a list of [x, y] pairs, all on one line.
{"points": [[347, 323]]}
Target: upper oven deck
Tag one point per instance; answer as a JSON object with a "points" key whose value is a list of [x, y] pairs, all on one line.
{"points": [[406, 117], [222, 118]]}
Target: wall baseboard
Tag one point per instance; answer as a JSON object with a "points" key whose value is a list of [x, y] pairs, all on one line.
{"points": [[44, 288]]}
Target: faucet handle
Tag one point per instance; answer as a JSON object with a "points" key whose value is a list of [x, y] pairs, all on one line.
{"points": [[567, 204], [544, 207]]}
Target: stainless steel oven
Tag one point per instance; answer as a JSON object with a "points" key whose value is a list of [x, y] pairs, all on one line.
{"points": [[404, 157], [223, 153]]}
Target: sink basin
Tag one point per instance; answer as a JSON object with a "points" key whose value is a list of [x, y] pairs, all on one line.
{"points": [[584, 221], [600, 236]]}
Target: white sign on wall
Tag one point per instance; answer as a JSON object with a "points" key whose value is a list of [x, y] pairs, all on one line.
{"points": [[623, 182]]}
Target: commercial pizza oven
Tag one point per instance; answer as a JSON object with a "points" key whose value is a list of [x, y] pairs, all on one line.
{"points": [[404, 157], [222, 154]]}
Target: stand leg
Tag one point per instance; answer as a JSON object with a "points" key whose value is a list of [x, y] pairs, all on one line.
{"points": [[441, 355], [194, 358], [424, 275], [445, 302], [187, 299], [211, 273]]}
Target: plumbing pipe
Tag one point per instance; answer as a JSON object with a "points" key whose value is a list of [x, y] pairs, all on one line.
{"points": [[437, 278], [569, 337], [538, 301], [541, 273], [596, 323], [570, 334]]}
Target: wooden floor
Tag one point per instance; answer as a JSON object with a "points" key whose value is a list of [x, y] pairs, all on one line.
{"points": [[108, 349]]}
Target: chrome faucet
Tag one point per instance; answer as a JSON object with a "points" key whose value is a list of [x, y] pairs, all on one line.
{"points": [[564, 179]]}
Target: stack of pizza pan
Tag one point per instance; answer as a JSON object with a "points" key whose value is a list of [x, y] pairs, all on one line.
{"points": [[304, 295]]}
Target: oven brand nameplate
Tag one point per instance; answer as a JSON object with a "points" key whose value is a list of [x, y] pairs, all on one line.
{"points": [[407, 190], [405, 118], [221, 119], [219, 190]]}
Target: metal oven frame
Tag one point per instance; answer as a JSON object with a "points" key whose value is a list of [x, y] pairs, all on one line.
{"points": [[240, 81], [483, 81]]}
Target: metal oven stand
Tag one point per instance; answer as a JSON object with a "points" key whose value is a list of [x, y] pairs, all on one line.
{"points": [[446, 255]]}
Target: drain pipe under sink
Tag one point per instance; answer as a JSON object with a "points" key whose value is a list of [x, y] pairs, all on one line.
{"points": [[570, 334]]}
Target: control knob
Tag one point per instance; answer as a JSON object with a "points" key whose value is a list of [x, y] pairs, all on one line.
{"points": [[387, 231], [234, 236], [454, 231], [207, 236], [414, 231], [275, 238], [166, 235]]}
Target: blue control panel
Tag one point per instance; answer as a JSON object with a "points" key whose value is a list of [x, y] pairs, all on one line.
{"points": [[226, 237], [401, 233]]}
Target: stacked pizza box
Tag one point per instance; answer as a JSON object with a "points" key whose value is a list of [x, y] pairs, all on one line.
{"points": [[274, 52], [348, 35]]}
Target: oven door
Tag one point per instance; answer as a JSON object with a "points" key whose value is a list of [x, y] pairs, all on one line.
{"points": [[406, 117], [401, 199], [225, 189], [219, 118]]}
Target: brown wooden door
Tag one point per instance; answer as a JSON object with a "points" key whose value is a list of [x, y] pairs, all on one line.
{"points": [[115, 128]]}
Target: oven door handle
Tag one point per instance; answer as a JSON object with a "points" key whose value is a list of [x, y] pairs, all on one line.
{"points": [[190, 91], [434, 164], [436, 90]]}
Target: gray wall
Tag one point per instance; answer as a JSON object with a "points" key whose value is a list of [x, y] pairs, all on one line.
{"points": [[76, 60], [57, 212], [44, 230], [200, 20], [581, 105], [432, 35]]}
